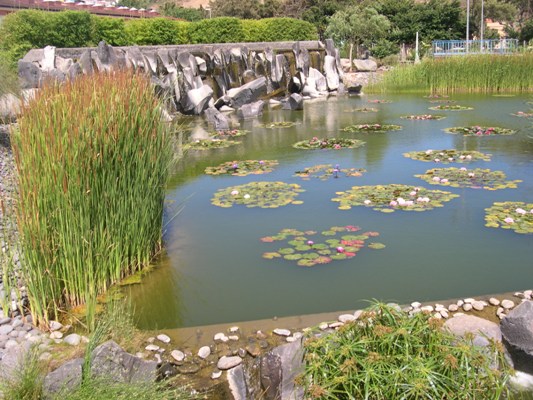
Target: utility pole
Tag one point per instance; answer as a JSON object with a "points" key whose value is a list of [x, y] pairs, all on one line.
{"points": [[482, 25], [467, 23]]}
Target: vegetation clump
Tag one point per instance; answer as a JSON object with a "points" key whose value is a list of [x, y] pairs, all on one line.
{"points": [[243, 168], [473, 178], [514, 215], [379, 101], [377, 128], [423, 117], [91, 188], [208, 144], [364, 110], [389, 198], [448, 156], [340, 243], [523, 114], [328, 143], [327, 171], [451, 107], [388, 354], [280, 124], [230, 133], [479, 131], [258, 194]]}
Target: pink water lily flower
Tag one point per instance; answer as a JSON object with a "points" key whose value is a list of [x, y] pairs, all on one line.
{"points": [[234, 192], [444, 180], [508, 220], [340, 249], [471, 174], [521, 211], [310, 242], [367, 202], [436, 179], [462, 169], [393, 203], [468, 157]]}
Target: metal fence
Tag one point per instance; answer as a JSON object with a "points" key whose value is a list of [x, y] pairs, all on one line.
{"points": [[443, 48]]}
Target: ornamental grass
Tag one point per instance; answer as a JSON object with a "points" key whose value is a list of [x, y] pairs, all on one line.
{"points": [[92, 157], [467, 74]]}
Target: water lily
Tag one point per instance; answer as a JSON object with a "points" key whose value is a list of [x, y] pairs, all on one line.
{"points": [[508, 220], [401, 201], [234, 192], [444, 180], [337, 147], [367, 202], [340, 249], [436, 179], [468, 157], [471, 174], [437, 160], [413, 193], [393, 203], [521, 211], [429, 151], [409, 203], [462, 157], [261, 162], [462, 169], [235, 166], [450, 159], [246, 196], [310, 243]]}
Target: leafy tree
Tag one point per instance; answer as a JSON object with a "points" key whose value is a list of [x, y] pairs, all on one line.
{"points": [[527, 31], [244, 9], [318, 12], [189, 14], [357, 25], [70, 29], [111, 30], [138, 4], [504, 13], [269, 9]]}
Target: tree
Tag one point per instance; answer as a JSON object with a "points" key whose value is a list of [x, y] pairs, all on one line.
{"points": [[504, 13], [526, 34], [357, 25], [318, 12], [189, 14], [138, 4], [244, 9]]}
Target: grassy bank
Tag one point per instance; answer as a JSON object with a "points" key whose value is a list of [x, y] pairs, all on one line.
{"points": [[467, 74], [92, 157]]}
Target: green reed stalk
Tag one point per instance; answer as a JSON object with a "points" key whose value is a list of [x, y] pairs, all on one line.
{"points": [[468, 74], [92, 157]]}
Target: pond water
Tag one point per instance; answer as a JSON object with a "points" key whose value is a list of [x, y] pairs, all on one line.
{"points": [[213, 271]]}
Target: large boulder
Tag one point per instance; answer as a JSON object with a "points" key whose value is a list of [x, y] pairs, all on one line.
{"points": [[49, 55], [10, 106], [517, 331], [251, 110], [365, 65], [219, 121], [294, 102], [248, 93], [482, 329], [197, 100], [111, 362], [30, 75], [63, 379], [330, 70]]}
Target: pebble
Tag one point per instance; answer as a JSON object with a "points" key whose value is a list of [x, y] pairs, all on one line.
{"points": [[528, 294], [5, 320], [500, 310], [323, 326], [335, 325], [478, 305], [507, 304], [460, 303], [469, 300], [254, 349], [216, 374], [178, 355], [233, 337], [11, 343], [467, 306], [152, 347], [45, 356], [416, 304], [282, 332], [204, 352], [357, 314], [444, 313], [6, 329], [228, 362], [221, 337], [234, 329], [494, 301], [260, 335], [139, 355], [16, 323], [427, 308], [291, 339], [55, 326], [73, 339], [241, 352], [56, 335], [346, 318], [453, 307], [163, 338]]}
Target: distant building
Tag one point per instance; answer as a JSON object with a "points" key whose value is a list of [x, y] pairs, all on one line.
{"points": [[497, 26]]}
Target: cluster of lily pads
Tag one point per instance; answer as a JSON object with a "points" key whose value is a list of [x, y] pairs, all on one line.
{"points": [[378, 101], [206, 144], [243, 168], [326, 171], [258, 194], [338, 243], [523, 114], [229, 133], [451, 107], [389, 198], [448, 156], [328, 143], [472, 178], [514, 215], [281, 124], [436, 96], [365, 110], [443, 101], [477, 130], [372, 128], [423, 117]]}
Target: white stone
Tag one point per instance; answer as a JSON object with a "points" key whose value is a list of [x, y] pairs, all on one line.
{"points": [[45, 356], [494, 301], [460, 303], [55, 326], [500, 310], [234, 329], [478, 305], [56, 335], [178, 355], [507, 304], [152, 347], [282, 332], [323, 326], [437, 316], [444, 313], [163, 338], [453, 307], [73, 339], [216, 374], [298, 335], [357, 314], [469, 300], [204, 352], [233, 337], [226, 362], [467, 307], [528, 294], [520, 295], [521, 381], [335, 325], [291, 339], [416, 304], [11, 343], [139, 355], [221, 336], [427, 308], [158, 358], [346, 318], [502, 316]]}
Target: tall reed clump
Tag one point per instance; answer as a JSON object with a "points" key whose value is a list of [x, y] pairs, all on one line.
{"points": [[387, 354], [92, 157], [468, 74]]}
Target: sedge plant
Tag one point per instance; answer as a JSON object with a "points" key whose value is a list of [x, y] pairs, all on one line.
{"points": [[387, 354], [92, 158]]}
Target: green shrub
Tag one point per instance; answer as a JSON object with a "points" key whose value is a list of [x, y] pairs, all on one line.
{"points": [[111, 30], [253, 30], [156, 31], [91, 188], [69, 28], [26, 381], [288, 29], [217, 30], [384, 48], [189, 14], [386, 354], [8, 76]]}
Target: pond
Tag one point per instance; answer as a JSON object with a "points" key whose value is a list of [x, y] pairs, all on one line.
{"points": [[213, 270]]}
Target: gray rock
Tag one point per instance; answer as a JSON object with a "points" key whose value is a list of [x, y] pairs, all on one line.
{"points": [[56, 335], [365, 65], [346, 318], [65, 378], [282, 332], [106, 55], [5, 320], [294, 102], [319, 78], [251, 110], [482, 329], [86, 63], [332, 76], [110, 361], [517, 331], [178, 355], [226, 362], [55, 326], [6, 329], [163, 338], [190, 368], [48, 61], [73, 339], [64, 64], [219, 121], [248, 93], [30, 75], [237, 383], [204, 352], [197, 100]]}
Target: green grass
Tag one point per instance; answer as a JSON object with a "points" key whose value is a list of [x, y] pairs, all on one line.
{"points": [[387, 355], [8, 77], [468, 74], [26, 381], [92, 158]]}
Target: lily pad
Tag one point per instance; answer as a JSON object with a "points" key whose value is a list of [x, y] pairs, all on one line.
{"points": [[423, 117], [207, 144], [311, 248], [389, 198], [243, 168], [448, 156], [514, 215], [443, 101], [436, 96], [281, 124], [523, 114], [328, 143], [472, 178], [451, 107], [257, 194], [230, 133], [326, 171], [363, 110], [379, 101], [479, 131], [378, 128]]}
